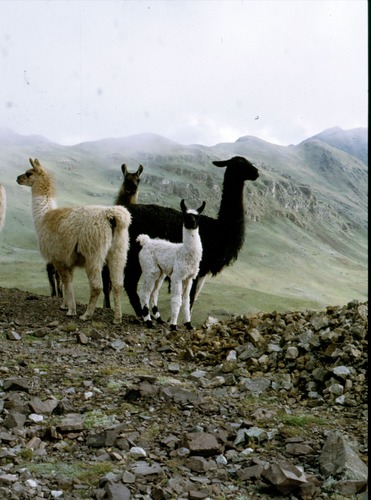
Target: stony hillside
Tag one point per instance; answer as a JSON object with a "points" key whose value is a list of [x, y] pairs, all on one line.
{"points": [[257, 406]]}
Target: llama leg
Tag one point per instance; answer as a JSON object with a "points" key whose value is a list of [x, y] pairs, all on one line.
{"points": [[68, 303], [131, 279], [154, 299], [187, 284], [50, 269], [145, 291], [93, 271], [59, 285], [106, 286], [116, 272], [176, 301], [196, 288]]}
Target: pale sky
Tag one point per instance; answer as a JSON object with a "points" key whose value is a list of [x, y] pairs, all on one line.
{"points": [[194, 71]]}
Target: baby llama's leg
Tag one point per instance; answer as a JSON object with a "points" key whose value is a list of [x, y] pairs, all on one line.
{"points": [[176, 300], [94, 273], [153, 300], [68, 303], [187, 285], [146, 287]]}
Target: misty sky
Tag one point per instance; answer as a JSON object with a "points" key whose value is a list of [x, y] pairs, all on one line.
{"points": [[202, 72]]}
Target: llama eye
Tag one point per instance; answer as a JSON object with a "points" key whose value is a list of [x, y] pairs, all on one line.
{"points": [[28, 174]]}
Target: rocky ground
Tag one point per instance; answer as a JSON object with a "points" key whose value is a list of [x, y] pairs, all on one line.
{"points": [[252, 407]]}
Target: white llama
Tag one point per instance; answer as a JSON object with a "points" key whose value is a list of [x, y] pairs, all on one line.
{"points": [[87, 236], [180, 261], [2, 205]]}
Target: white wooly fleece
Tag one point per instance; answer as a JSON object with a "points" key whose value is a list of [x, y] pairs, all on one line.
{"points": [[180, 261], [66, 232], [2, 206], [84, 236]]}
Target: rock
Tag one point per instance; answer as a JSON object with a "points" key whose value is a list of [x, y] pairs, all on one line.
{"points": [[197, 464], [12, 335], [292, 352], [70, 423], [16, 384], [145, 469], [284, 476], [14, 420], [201, 443], [299, 449], [338, 459], [117, 491], [43, 407], [137, 452], [255, 385]]}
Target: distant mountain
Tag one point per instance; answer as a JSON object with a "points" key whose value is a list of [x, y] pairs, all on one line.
{"points": [[354, 142], [306, 215], [8, 138]]}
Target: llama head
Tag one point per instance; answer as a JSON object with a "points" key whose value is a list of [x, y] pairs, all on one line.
{"points": [[191, 216], [239, 168], [38, 179], [131, 180]]}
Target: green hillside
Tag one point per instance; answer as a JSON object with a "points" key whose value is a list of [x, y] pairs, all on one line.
{"points": [[306, 241]]}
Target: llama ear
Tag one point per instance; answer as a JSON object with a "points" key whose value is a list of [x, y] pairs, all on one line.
{"points": [[35, 163], [223, 163], [140, 170], [183, 206], [201, 209], [123, 169]]}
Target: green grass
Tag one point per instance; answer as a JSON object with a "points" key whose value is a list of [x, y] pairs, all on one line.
{"points": [[303, 420], [87, 473]]}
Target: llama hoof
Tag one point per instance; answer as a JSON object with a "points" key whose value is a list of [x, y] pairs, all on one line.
{"points": [[160, 321], [173, 328], [149, 324], [84, 317], [188, 325], [116, 321]]}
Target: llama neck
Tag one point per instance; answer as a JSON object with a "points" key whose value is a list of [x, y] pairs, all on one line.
{"points": [[232, 204], [191, 238], [41, 204], [126, 199]]}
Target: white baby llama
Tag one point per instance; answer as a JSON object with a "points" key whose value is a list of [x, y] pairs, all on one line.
{"points": [[180, 261], [87, 236]]}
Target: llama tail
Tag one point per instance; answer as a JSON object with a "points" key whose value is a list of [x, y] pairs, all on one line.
{"points": [[142, 239], [119, 219]]}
